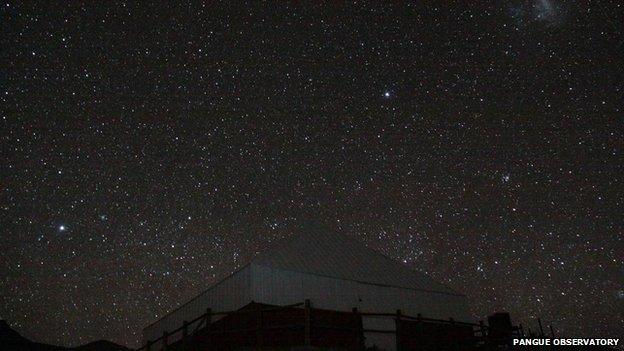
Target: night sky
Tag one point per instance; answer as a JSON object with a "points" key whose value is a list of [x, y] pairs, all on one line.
{"points": [[150, 149]]}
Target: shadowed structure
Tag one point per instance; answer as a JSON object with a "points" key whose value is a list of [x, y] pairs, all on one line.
{"points": [[335, 273]]}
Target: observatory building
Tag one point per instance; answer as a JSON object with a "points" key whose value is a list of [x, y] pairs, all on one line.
{"points": [[313, 270]]}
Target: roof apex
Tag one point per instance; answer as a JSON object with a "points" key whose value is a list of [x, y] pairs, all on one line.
{"points": [[317, 249]]}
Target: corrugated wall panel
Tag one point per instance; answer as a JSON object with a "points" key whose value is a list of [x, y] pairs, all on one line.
{"points": [[276, 286], [229, 294]]}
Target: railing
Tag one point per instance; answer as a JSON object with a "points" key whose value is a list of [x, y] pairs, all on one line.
{"points": [[205, 318], [480, 330]]}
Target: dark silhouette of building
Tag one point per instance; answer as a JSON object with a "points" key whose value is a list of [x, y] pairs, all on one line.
{"points": [[334, 273]]}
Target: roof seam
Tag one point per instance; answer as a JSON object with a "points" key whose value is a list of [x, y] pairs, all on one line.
{"points": [[210, 287]]}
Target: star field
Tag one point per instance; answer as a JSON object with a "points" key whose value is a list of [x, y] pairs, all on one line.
{"points": [[148, 150]]}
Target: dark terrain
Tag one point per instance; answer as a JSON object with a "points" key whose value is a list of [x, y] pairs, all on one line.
{"points": [[12, 340]]}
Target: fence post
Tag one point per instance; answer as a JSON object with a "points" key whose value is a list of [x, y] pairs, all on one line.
{"points": [[482, 331], [420, 327], [359, 329], [164, 340], [184, 334], [208, 322], [307, 327], [454, 334], [259, 329], [397, 330]]}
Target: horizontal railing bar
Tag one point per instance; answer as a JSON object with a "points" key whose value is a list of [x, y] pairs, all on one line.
{"points": [[379, 331], [226, 313], [481, 327]]}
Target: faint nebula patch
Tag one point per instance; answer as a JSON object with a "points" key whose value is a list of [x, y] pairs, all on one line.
{"points": [[547, 12]]}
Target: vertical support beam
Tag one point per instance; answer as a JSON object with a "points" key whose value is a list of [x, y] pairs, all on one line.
{"points": [[184, 335], [454, 334], [397, 330], [359, 329], [208, 318], [308, 321], [164, 340], [259, 329], [482, 331], [420, 326]]}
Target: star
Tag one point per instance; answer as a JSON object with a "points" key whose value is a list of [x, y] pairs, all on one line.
{"points": [[235, 136]]}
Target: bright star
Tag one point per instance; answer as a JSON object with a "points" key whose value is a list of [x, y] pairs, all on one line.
{"points": [[387, 94], [62, 228]]}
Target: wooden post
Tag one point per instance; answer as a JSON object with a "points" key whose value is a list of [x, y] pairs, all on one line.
{"points": [[454, 334], [539, 321], [420, 326], [164, 340], [397, 330], [259, 329], [482, 330], [359, 329], [208, 322], [307, 327], [184, 335]]}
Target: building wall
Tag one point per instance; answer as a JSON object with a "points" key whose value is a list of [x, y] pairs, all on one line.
{"points": [[280, 287], [229, 294]]}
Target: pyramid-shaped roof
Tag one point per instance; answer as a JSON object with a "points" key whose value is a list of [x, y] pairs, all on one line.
{"points": [[318, 250]]}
